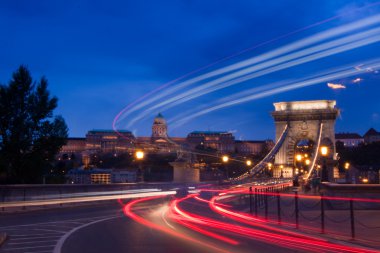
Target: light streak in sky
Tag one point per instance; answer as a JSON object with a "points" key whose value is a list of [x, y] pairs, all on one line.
{"points": [[357, 80], [266, 67], [275, 89], [270, 55], [336, 86]]}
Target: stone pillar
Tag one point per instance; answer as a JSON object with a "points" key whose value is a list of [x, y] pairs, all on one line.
{"points": [[184, 172]]}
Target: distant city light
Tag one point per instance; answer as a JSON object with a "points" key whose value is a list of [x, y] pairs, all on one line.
{"points": [[139, 155], [225, 158], [324, 150]]}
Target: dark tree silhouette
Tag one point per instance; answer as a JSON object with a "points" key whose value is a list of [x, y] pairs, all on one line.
{"points": [[30, 136]]}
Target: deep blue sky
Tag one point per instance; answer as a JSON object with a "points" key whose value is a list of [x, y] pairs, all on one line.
{"points": [[99, 56]]}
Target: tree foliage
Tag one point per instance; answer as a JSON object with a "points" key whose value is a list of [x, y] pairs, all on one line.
{"points": [[365, 154], [30, 135]]}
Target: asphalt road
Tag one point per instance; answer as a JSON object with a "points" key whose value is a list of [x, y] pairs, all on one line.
{"points": [[104, 227], [125, 235], [39, 231]]}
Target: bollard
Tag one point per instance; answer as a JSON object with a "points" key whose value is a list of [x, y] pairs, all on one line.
{"points": [[250, 200], [278, 207], [60, 196], [322, 214], [24, 207], [352, 219], [256, 202], [266, 203], [296, 207]]}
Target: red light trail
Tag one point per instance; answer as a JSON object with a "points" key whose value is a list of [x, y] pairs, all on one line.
{"points": [[212, 228]]}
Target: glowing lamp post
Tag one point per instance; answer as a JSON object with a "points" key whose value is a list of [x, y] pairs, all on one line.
{"points": [[140, 156], [249, 163], [324, 153], [225, 160], [346, 168]]}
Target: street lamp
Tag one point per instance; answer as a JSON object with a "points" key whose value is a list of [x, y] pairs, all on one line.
{"points": [[324, 150], [298, 157], [249, 162], [225, 159], [346, 168], [140, 156], [324, 153]]}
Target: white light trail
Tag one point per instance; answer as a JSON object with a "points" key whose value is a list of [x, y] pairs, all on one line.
{"points": [[357, 80], [336, 86], [348, 71], [331, 33], [83, 199], [311, 54]]}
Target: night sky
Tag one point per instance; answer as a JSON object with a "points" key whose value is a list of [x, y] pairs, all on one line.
{"points": [[100, 56]]}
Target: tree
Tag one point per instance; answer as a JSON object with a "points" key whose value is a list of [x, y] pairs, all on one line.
{"points": [[30, 136]]}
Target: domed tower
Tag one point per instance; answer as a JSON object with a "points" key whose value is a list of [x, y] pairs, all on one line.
{"points": [[159, 128]]}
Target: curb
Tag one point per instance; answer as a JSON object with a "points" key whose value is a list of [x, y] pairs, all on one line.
{"points": [[3, 238]]}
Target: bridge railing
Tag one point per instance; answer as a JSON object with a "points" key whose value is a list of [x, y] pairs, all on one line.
{"points": [[345, 212], [316, 151], [262, 164]]}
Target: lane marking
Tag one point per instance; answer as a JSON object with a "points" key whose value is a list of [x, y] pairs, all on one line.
{"points": [[53, 222], [34, 237], [58, 246], [31, 235], [45, 246], [18, 243]]}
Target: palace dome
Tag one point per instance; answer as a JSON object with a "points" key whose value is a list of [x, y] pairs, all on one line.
{"points": [[159, 120]]}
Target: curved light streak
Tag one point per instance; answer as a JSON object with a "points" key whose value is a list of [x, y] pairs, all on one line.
{"points": [[287, 61], [296, 85], [129, 212], [304, 242], [321, 36]]}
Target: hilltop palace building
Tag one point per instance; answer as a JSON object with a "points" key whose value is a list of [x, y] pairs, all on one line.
{"points": [[120, 141]]}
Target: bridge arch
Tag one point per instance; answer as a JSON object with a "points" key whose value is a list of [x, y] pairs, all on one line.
{"points": [[306, 120]]}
